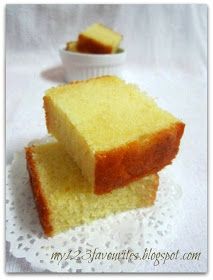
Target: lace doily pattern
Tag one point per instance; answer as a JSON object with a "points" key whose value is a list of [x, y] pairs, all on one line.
{"points": [[83, 248]]}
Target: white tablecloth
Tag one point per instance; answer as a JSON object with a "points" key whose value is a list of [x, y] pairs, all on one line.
{"points": [[167, 56]]}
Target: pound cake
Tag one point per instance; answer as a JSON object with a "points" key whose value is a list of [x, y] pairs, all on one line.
{"points": [[98, 39], [64, 198], [71, 46], [115, 133]]}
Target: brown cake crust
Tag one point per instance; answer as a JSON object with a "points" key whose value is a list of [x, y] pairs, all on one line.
{"points": [[40, 200], [88, 45], [120, 166]]}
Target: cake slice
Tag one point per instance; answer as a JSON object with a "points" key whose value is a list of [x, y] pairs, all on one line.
{"points": [[98, 39], [71, 46], [114, 132], [64, 198]]}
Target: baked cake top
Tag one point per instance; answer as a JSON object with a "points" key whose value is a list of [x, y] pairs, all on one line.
{"points": [[108, 112]]}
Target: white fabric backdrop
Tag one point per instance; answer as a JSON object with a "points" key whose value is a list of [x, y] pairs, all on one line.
{"points": [[154, 35], [167, 56]]}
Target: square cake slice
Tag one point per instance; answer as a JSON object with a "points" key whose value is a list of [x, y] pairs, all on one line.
{"points": [[98, 39], [115, 133], [64, 198]]}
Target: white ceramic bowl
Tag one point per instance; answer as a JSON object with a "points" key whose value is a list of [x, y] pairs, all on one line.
{"points": [[80, 66]]}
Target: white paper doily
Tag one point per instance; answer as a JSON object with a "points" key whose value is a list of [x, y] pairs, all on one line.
{"points": [[133, 230]]}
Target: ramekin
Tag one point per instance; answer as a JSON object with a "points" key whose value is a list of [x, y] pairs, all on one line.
{"points": [[80, 66]]}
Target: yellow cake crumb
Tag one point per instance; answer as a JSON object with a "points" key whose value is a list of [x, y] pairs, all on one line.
{"points": [[64, 198]]}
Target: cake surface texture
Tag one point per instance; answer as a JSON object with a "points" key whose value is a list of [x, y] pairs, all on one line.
{"points": [[98, 39], [64, 198], [115, 133]]}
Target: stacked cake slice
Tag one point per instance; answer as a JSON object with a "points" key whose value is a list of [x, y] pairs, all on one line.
{"points": [[96, 39], [112, 140]]}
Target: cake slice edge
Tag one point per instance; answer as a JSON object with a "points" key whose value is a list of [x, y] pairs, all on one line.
{"points": [[120, 166], [39, 197]]}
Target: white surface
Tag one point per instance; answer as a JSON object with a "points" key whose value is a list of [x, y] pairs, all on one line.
{"points": [[167, 56]]}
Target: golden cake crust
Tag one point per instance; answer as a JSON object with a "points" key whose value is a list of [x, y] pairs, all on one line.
{"points": [[88, 45], [120, 166], [39, 197]]}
